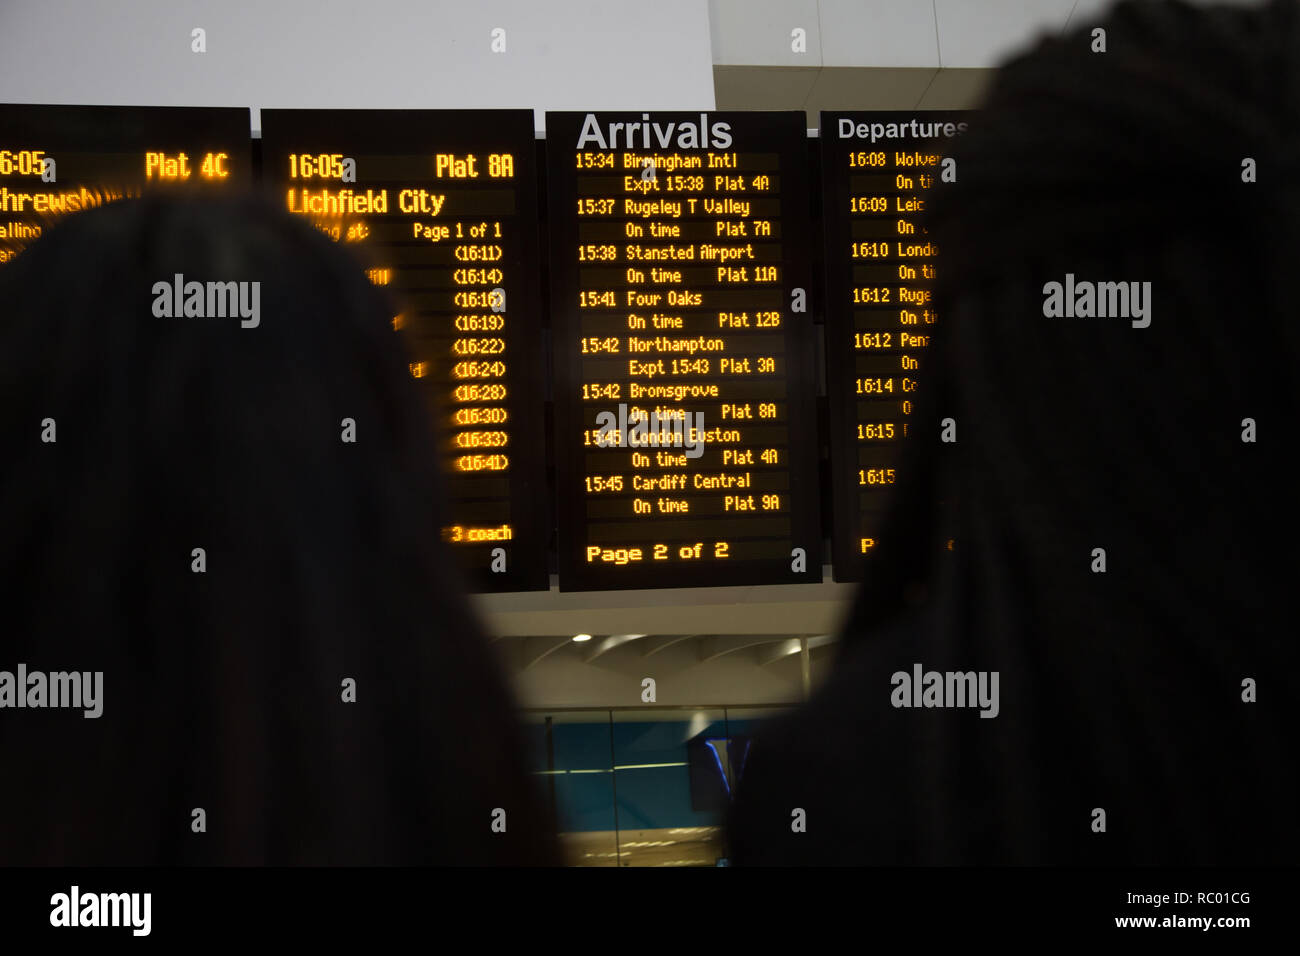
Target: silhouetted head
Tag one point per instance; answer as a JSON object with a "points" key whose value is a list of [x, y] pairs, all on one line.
{"points": [[1118, 494], [236, 519]]}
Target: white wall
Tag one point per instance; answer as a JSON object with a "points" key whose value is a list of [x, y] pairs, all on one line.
{"points": [[949, 34], [400, 54]]}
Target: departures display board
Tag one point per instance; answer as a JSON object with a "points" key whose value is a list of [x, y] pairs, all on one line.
{"points": [[879, 171], [56, 160], [440, 206], [681, 287]]}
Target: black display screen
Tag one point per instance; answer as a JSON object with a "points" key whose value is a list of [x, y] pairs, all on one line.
{"points": [[440, 206], [57, 160], [681, 288], [879, 170]]}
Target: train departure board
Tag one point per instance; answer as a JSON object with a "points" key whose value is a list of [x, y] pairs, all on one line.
{"points": [[686, 447], [879, 171], [440, 206], [56, 160]]}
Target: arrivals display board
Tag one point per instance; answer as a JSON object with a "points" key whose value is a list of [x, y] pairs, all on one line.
{"points": [[681, 296]]}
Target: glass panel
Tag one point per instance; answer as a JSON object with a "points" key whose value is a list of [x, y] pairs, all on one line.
{"points": [[671, 783], [572, 757], [649, 789]]}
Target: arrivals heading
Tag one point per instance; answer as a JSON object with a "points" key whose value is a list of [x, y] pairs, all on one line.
{"points": [[648, 135]]}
